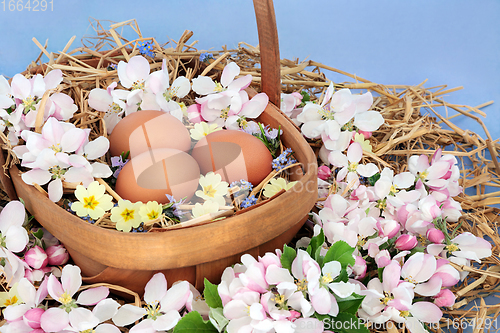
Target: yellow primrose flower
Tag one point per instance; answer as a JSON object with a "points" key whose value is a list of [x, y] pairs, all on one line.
{"points": [[126, 215], [207, 207], [10, 297], [213, 188], [276, 185], [92, 201], [365, 144], [150, 211], [202, 129]]}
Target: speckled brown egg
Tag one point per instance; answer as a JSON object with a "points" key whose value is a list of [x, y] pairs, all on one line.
{"points": [[151, 175], [234, 155], [146, 130]]}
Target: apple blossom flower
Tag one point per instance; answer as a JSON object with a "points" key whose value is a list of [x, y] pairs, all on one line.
{"points": [[445, 298], [324, 172], [213, 188], [318, 119], [126, 215], [203, 85], [30, 299], [390, 184], [36, 257], [162, 306], [383, 296], [436, 236], [465, 245], [13, 237], [56, 319], [202, 129], [359, 268], [223, 99], [111, 101], [84, 320], [92, 201], [165, 94], [436, 174], [406, 242], [350, 164], [57, 255], [250, 109], [275, 185], [134, 73], [448, 274], [289, 102], [419, 270], [14, 268]]}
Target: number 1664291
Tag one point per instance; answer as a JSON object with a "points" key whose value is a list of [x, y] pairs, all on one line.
{"points": [[27, 5]]}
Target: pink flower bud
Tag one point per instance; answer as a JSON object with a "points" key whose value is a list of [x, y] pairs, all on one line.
{"points": [[406, 242], [57, 255], [324, 172], [435, 235], [388, 228], [194, 113], [366, 134], [293, 315], [32, 317], [445, 298], [359, 268], [383, 258], [36, 257]]}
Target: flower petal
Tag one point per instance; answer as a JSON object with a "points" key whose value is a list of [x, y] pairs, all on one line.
{"points": [[82, 319], [96, 148], [105, 309], [127, 314], [71, 279], [176, 297], [92, 296], [54, 320], [155, 289]]}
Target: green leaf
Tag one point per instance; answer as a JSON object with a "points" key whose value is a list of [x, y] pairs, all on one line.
{"points": [[211, 295], [192, 323], [38, 234], [346, 323], [343, 277], [321, 317], [380, 271], [350, 304], [373, 179], [341, 252], [287, 257], [316, 243], [217, 318]]}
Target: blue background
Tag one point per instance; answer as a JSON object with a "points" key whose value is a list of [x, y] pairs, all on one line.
{"points": [[453, 42]]}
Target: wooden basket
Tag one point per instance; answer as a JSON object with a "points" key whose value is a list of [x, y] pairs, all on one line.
{"points": [[190, 253]]}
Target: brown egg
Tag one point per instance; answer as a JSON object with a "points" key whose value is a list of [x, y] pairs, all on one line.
{"points": [[234, 155], [151, 175], [148, 129]]}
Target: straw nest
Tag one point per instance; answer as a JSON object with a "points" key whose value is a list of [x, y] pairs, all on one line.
{"points": [[412, 126]]}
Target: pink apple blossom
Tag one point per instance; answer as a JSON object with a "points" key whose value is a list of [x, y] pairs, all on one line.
{"points": [[406, 242], [57, 255], [36, 257], [445, 298], [162, 306]]}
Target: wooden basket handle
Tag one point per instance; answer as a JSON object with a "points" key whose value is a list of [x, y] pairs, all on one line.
{"points": [[269, 50]]}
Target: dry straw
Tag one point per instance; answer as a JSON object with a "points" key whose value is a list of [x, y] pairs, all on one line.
{"points": [[413, 125]]}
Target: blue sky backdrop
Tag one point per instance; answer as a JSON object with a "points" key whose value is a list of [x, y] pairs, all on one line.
{"points": [[453, 42]]}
